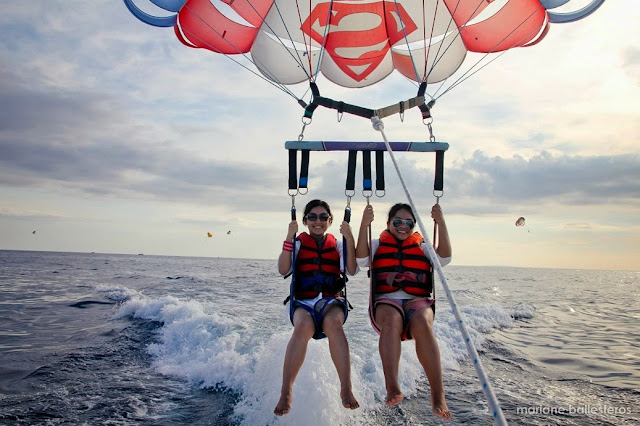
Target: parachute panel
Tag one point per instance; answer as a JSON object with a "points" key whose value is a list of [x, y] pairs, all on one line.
{"points": [[280, 63], [513, 25], [431, 19], [426, 61], [359, 43], [170, 5], [252, 11], [204, 26], [369, 69], [356, 41]]}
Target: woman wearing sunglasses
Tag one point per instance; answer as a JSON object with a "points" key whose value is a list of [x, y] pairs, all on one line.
{"points": [[402, 298], [318, 309]]}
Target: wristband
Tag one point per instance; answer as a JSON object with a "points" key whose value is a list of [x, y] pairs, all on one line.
{"points": [[287, 246]]}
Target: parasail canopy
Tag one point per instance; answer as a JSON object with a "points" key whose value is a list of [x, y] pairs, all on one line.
{"points": [[358, 43]]}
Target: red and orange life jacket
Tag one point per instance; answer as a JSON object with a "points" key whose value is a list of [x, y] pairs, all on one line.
{"points": [[402, 265], [317, 268]]}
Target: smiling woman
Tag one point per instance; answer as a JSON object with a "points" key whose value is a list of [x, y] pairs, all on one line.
{"points": [[318, 305], [402, 297]]}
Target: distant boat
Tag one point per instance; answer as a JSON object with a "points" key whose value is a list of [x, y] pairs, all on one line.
{"points": [[140, 254]]}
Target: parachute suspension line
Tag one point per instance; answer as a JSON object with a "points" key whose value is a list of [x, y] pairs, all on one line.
{"points": [[425, 75], [324, 38], [468, 74], [280, 86], [449, 25], [299, 60], [404, 32], [438, 58], [494, 405], [307, 46]]}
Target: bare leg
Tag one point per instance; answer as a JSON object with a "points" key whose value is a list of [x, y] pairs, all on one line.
{"points": [[303, 329], [421, 328], [390, 322], [339, 348]]}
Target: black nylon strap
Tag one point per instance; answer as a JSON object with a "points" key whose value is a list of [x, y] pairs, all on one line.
{"points": [[438, 183], [341, 107], [425, 108], [351, 171], [366, 171], [379, 170], [293, 166], [304, 168]]}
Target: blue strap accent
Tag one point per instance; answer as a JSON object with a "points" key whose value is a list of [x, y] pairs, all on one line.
{"points": [[156, 21], [559, 17], [170, 5]]}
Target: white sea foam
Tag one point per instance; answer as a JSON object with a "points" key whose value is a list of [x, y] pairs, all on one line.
{"points": [[116, 293], [554, 349], [211, 349]]}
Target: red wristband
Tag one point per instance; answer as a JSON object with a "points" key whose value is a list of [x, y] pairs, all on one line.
{"points": [[287, 246]]}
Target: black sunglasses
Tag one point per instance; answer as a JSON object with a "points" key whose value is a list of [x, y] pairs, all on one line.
{"points": [[313, 217], [398, 223]]}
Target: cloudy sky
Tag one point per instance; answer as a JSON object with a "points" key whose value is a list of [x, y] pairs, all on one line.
{"points": [[116, 138]]}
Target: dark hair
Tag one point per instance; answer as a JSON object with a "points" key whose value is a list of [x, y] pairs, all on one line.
{"points": [[316, 203], [396, 208]]}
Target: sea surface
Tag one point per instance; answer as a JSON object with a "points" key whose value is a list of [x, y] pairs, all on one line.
{"points": [[88, 338]]}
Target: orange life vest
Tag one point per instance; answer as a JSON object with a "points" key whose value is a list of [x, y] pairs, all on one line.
{"points": [[317, 268], [402, 265]]}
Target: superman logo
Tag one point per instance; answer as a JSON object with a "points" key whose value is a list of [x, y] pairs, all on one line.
{"points": [[358, 36]]}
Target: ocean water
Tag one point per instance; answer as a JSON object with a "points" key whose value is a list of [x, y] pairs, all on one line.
{"points": [[126, 339]]}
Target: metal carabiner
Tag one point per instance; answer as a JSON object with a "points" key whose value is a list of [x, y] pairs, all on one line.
{"points": [[428, 122], [304, 126]]}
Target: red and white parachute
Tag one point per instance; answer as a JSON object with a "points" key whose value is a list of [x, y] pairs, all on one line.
{"points": [[359, 43]]}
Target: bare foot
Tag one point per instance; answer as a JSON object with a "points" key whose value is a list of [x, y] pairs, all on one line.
{"points": [[394, 398], [440, 408], [348, 400], [284, 405]]}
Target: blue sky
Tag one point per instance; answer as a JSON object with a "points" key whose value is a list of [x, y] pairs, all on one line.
{"points": [[114, 137]]}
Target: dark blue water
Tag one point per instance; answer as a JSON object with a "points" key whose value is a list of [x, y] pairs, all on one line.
{"points": [[122, 339]]}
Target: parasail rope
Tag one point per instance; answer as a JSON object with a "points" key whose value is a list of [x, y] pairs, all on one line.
{"points": [[494, 405], [404, 33], [272, 80]]}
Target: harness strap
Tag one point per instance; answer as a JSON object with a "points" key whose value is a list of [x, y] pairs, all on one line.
{"points": [[304, 168], [342, 107], [366, 172], [438, 182], [351, 173], [380, 171], [293, 168]]}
